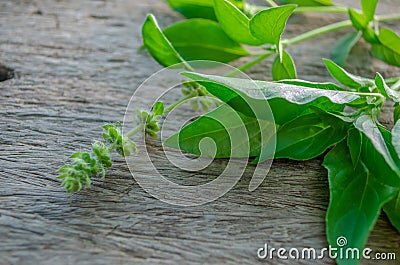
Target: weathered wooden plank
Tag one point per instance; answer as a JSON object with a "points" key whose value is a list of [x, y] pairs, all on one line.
{"points": [[76, 67]]}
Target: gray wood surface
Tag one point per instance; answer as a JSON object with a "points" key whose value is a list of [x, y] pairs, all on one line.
{"points": [[76, 67]]}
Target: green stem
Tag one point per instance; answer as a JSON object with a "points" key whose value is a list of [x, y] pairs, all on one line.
{"points": [[135, 130], [253, 9], [112, 147], [321, 9], [391, 17], [271, 3], [249, 64], [179, 102], [188, 66], [332, 27], [140, 127], [379, 95], [316, 32]]}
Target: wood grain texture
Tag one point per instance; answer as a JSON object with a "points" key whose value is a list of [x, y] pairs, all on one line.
{"points": [[76, 67]]}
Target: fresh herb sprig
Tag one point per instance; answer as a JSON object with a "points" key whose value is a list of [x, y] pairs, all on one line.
{"points": [[340, 122], [84, 165], [216, 30]]}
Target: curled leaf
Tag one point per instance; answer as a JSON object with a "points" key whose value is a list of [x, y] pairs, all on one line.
{"points": [[387, 50], [199, 8], [235, 23], [157, 44], [385, 90], [368, 8], [358, 19], [378, 153], [346, 78], [201, 39], [284, 69], [268, 25]]}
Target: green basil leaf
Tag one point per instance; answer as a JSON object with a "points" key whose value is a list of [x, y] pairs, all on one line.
{"points": [[389, 38], [385, 90], [268, 25], [234, 134], [198, 8], [381, 85], [388, 51], [157, 44], [158, 109], [194, 8], [343, 46], [269, 90], [284, 69], [368, 8], [396, 137], [286, 101], [386, 54], [245, 104], [354, 140], [358, 19], [235, 23], [299, 82], [202, 39], [370, 36], [356, 198], [377, 152], [392, 210], [308, 2], [347, 79], [307, 137]]}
